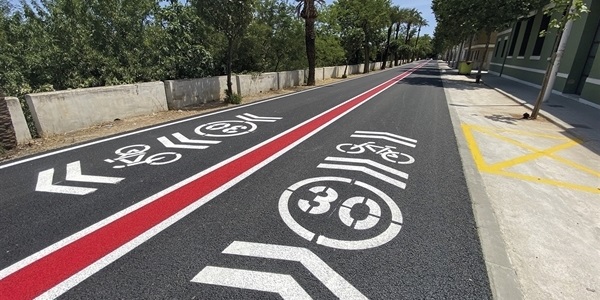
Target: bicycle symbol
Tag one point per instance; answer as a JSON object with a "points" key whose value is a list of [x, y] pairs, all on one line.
{"points": [[225, 128], [351, 208], [386, 152], [133, 155]]}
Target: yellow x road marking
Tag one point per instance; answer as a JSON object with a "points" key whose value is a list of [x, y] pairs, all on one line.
{"points": [[500, 167]]}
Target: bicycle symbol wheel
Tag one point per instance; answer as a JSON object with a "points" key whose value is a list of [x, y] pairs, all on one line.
{"points": [[132, 149], [340, 213], [162, 158], [350, 148]]}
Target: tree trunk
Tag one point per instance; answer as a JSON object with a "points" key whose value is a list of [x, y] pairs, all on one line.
{"points": [[417, 41], [310, 37], [396, 52], [387, 47], [557, 51], [229, 92], [367, 56], [487, 46]]}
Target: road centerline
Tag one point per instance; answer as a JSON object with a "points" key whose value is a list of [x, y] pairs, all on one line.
{"points": [[58, 268]]}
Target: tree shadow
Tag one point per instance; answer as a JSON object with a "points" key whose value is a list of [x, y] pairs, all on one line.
{"points": [[504, 119]]}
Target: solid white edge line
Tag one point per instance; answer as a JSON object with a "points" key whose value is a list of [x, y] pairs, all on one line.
{"points": [[72, 281], [18, 162]]}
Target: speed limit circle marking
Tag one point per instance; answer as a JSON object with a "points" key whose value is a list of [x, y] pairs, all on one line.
{"points": [[322, 204], [225, 128]]}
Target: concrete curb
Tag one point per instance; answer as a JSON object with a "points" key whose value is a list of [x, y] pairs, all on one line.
{"points": [[504, 282]]}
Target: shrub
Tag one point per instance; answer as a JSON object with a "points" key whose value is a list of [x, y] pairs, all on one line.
{"points": [[233, 99]]}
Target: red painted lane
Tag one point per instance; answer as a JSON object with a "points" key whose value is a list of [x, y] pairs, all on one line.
{"points": [[45, 273]]}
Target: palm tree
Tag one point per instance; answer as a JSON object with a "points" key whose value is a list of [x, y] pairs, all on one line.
{"points": [[420, 22], [394, 18], [307, 10]]}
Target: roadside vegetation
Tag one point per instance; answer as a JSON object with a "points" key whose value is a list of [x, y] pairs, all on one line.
{"points": [[65, 44]]}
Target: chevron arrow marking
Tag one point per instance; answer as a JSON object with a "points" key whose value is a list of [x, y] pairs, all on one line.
{"points": [[282, 284], [366, 170], [180, 137], [288, 288], [386, 136], [253, 118], [45, 178]]}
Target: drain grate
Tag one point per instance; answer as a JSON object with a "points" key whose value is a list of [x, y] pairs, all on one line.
{"points": [[555, 105]]}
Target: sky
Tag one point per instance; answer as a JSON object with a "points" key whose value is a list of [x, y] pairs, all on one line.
{"points": [[424, 6]]}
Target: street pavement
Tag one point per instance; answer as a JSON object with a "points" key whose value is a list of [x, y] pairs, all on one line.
{"points": [[409, 183], [352, 191], [542, 186]]}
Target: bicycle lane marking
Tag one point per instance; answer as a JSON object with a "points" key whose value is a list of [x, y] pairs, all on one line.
{"points": [[36, 157], [61, 266]]}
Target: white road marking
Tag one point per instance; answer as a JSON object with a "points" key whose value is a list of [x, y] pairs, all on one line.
{"points": [[365, 170], [167, 143], [93, 268], [332, 280], [74, 174], [184, 139], [44, 184], [282, 284], [253, 118], [368, 162], [385, 136], [45, 178]]}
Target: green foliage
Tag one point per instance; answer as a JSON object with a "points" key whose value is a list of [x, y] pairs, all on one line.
{"points": [[233, 98], [64, 44], [574, 7]]}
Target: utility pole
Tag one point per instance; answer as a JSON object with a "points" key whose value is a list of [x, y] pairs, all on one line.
{"points": [[559, 48]]}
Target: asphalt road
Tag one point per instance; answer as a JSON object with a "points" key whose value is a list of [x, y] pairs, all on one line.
{"points": [[353, 190]]}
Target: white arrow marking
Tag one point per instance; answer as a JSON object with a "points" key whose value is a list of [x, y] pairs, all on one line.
{"points": [[385, 136], [366, 170], [282, 284], [184, 139], [74, 174], [253, 118], [167, 143], [44, 183], [332, 280]]}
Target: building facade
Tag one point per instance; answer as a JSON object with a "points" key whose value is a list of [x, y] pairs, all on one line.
{"points": [[522, 55]]}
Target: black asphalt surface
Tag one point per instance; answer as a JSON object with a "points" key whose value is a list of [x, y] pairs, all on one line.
{"points": [[436, 254]]}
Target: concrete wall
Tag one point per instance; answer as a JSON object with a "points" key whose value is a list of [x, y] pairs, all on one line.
{"points": [[256, 84], [18, 120], [329, 72], [290, 78], [64, 111], [186, 92]]}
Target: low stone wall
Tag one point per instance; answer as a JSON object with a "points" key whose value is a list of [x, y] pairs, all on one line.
{"points": [[290, 78], [256, 84], [64, 111], [186, 92], [8, 140], [19, 124]]}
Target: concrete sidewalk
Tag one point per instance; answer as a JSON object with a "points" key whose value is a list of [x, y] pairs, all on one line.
{"points": [[535, 187]]}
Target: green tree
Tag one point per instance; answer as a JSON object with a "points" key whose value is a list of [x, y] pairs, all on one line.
{"points": [[231, 18], [370, 16], [307, 10]]}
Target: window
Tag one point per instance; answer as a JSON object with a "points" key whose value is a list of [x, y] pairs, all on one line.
{"points": [[526, 36], [513, 42], [539, 42]]}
